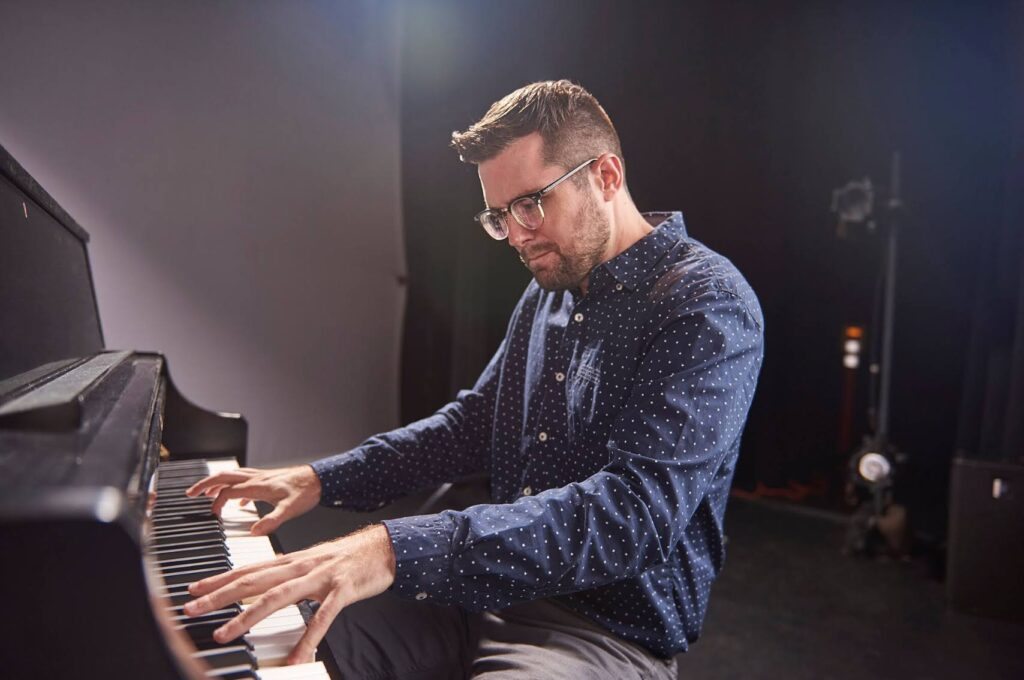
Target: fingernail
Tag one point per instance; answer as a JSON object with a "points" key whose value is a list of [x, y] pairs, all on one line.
{"points": [[190, 608], [219, 636]]}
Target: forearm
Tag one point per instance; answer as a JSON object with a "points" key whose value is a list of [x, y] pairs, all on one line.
{"points": [[450, 444], [583, 535]]}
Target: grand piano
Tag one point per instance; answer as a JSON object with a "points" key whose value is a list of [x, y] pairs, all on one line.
{"points": [[96, 449]]}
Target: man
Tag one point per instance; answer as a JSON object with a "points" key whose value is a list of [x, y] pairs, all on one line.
{"points": [[609, 420]]}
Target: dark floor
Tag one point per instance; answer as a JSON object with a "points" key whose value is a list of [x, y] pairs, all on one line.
{"points": [[789, 605]]}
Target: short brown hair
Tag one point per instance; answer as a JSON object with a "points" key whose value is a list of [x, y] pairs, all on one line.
{"points": [[572, 124]]}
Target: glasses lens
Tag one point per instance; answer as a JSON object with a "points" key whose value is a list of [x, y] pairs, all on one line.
{"points": [[493, 224], [528, 213]]}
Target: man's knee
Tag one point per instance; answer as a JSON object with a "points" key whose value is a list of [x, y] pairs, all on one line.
{"points": [[388, 637]]}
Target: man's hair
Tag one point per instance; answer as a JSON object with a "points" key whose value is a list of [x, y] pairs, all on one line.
{"points": [[572, 124]]}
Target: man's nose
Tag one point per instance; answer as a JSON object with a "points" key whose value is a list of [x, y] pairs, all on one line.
{"points": [[518, 235]]}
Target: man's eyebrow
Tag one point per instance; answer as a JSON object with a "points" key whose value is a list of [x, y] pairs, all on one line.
{"points": [[516, 198]]}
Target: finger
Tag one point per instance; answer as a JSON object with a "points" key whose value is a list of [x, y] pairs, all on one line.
{"points": [[226, 477], [213, 490], [244, 502], [316, 628], [270, 523], [254, 582], [207, 585], [276, 598], [229, 492]]}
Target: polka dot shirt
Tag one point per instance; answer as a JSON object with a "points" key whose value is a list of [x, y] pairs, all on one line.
{"points": [[610, 424]]}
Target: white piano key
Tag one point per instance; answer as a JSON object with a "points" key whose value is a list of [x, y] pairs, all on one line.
{"points": [[304, 671], [275, 637]]}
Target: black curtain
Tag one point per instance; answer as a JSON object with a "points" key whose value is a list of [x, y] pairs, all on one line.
{"points": [[992, 409]]}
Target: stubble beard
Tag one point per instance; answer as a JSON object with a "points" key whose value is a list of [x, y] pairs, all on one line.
{"points": [[589, 241]]}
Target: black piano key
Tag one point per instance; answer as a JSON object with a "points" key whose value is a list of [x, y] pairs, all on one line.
{"points": [[178, 615], [170, 500], [202, 636], [177, 600], [171, 518], [188, 540], [237, 655], [164, 514], [189, 577], [189, 566], [196, 552], [183, 526], [218, 617], [188, 530]]}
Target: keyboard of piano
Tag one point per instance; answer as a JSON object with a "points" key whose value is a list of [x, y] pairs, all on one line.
{"points": [[189, 543]]}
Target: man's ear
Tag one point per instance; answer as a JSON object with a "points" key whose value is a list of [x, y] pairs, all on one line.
{"points": [[611, 174]]}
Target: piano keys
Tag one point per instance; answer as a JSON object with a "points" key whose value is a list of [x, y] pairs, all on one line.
{"points": [[189, 544]]}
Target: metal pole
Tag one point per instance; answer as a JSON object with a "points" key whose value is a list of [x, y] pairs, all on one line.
{"points": [[894, 205]]}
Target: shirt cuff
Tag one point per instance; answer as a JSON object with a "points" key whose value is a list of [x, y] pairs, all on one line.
{"points": [[325, 470], [340, 485], [423, 560]]}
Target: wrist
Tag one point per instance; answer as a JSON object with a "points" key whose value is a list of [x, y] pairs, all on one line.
{"points": [[387, 550], [311, 482], [373, 544]]}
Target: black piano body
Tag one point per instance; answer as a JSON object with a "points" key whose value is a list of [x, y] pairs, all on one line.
{"points": [[77, 460], [82, 430]]}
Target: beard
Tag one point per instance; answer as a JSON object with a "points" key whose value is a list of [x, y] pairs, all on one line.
{"points": [[557, 269]]}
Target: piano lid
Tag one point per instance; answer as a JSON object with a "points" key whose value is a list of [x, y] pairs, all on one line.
{"points": [[48, 309]]}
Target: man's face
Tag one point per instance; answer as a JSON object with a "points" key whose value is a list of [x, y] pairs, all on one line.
{"points": [[574, 236]]}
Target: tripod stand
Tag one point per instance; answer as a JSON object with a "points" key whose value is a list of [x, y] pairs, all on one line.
{"points": [[872, 466]]}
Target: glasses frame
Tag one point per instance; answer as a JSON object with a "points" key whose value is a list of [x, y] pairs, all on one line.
{"points": [[536, 196]]}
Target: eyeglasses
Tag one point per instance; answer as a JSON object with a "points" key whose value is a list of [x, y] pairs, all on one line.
{"points": [[527, 210]]}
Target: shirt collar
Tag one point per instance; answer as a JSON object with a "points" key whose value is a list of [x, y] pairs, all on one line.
{"points": [[632, 265]]}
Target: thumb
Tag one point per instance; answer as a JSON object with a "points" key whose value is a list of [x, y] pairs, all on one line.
{"points": [[267, 525]]}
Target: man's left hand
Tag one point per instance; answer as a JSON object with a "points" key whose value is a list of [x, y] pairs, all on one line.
{"points": [[336, 574]]}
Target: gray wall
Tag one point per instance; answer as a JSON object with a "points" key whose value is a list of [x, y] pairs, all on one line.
{"points": [[237, 166]]}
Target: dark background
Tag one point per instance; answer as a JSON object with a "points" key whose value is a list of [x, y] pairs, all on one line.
{"points": [[744, 116]]}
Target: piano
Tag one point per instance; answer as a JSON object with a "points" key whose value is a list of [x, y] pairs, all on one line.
{"points": [[96, 449]]}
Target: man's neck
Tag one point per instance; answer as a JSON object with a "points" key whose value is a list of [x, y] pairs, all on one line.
{"points": [[629, 226], [634, 226]]}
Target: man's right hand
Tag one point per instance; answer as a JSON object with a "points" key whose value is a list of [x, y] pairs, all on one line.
{"points": [[292, 491]]}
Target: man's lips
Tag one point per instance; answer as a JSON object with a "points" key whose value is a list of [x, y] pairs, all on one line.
{"points": [[527, 258]]}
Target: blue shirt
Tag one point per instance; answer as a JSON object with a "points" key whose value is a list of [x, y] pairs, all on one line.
{"points": [[610, 424]]}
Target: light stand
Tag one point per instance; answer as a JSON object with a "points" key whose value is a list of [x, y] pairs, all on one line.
{"points": [[872, 466]]}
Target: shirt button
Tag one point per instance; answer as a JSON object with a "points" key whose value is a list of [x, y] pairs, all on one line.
{"points": [[618, 286], [577, 317], [527, 491], [543, 436], [337, 502], [421, 596], [559, 377]]}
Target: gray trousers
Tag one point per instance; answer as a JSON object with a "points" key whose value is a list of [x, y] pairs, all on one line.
{"points": [[387, 637]]}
